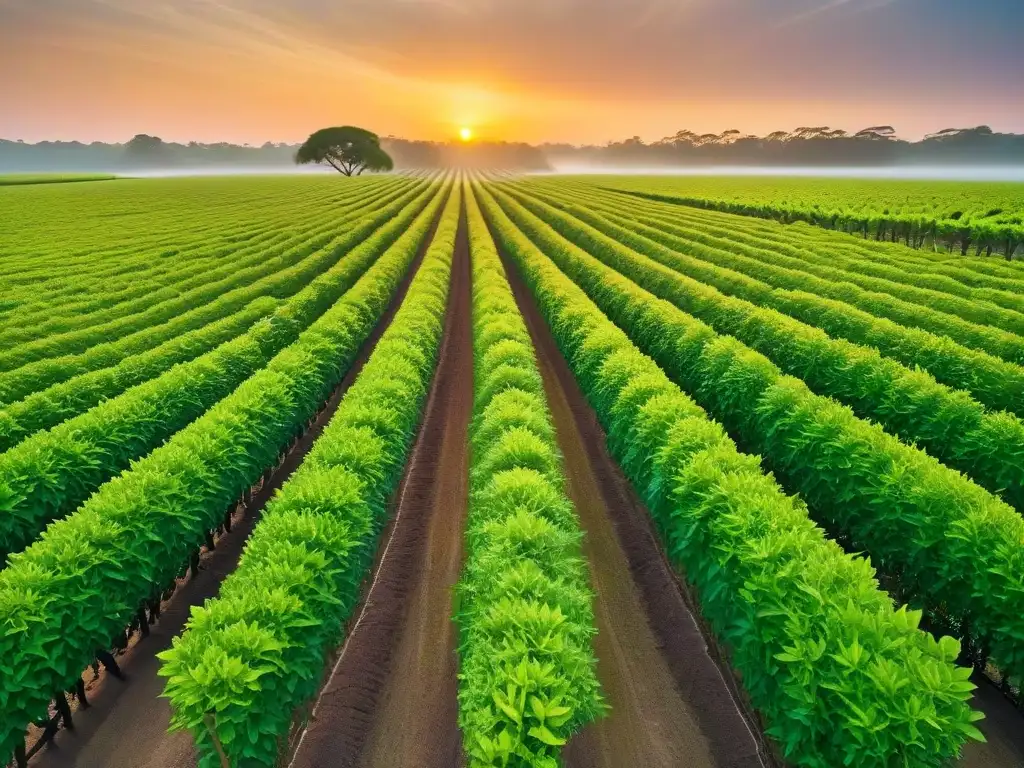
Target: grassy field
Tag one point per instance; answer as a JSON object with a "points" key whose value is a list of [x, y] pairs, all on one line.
{"points": [[540, 471]]}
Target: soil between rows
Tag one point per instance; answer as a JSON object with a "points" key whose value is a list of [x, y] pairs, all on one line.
{"points": [[1003, 728], [670, 703], [126, 725], [390, 701]]}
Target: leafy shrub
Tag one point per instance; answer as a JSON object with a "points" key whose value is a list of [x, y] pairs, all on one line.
{"points": [[527, 676], [299, 578], [840, 677], [86, 576]]}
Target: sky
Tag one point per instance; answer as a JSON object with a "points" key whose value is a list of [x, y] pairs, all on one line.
{"points": [[578, 71]]}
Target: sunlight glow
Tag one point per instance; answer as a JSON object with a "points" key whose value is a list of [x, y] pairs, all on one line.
{"points": [[465, 134]]}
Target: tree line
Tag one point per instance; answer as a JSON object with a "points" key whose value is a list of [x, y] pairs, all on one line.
{"points": [[805, 146]]}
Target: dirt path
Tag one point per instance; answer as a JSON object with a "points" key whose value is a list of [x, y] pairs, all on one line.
{"points": [[670, 705], [1003, 726], [391, 699], [126, 727]]}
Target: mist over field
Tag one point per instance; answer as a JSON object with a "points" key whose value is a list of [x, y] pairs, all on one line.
{"points": [[1013, 173]]}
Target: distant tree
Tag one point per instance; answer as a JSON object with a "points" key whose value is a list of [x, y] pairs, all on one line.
{"points": [[143, 149], [877, 133], [346, 149], [144, 145]]}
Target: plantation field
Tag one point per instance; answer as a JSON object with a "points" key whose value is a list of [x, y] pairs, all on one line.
{"points": [[456, 469], [976, 218]]}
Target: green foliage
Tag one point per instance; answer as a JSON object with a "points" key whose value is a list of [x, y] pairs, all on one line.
{"points": [[84, 579], [527, 677], [346, 149], [257, 652], [70, 279], [840, 677], [918, 213], [46, 476], [72, 345], [947, 544], [909, 404], [746, 266]]}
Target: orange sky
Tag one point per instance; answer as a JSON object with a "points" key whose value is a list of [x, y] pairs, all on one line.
{"points": [[533, 70]]}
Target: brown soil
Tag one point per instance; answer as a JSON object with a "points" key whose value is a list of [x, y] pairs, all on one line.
{"points": [[391, 698], [126, 725], [670, 702], [1003, 726]]}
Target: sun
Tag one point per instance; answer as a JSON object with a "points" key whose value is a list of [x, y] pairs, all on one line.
{"points": [[465, 133]]}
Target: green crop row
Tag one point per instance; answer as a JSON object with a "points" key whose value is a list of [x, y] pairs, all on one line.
{"points": [[1000, 308], [84, 579], [839, 676], [527, 676], [252, 656], [914, 228], [85, 336], [946, 543], [910, 404], [760, 271], [828, 249], [45, 312], [995, 383], [49, 474], [285, 275], [140, 218], [809, 246], [48, 407], [289, 227]]}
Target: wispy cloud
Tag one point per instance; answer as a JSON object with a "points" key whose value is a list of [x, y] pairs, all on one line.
{"points": [[829, 7]]}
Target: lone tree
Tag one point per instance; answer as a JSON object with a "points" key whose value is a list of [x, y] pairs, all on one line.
{"points": [[347, 149]]}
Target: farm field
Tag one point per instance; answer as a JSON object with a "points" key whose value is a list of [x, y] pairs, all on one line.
{"points": [[969, 218], [464, 469]]}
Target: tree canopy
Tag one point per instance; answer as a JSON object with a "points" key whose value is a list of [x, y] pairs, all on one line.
{"points": [[347, 149]]}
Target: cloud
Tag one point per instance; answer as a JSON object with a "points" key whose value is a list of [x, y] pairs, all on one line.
{"points": [[828, 7], [538, 69]]}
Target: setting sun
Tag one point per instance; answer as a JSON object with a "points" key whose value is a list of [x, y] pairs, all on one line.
{"points": [[465, 134]]}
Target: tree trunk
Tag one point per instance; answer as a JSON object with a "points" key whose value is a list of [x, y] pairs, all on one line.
{"points": [[143, 621], [109, 663], [64, 710], [80, 693]]}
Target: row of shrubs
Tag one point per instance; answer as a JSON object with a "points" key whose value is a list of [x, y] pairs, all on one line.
{"points": [[253, 655], [945, 543], [81, 336], [839, 676], [990, 379], [527, 668], [53, 313], [85, 578], [49, 474], [973, 323], [93, 346], [811, 246], [948, 423]]}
